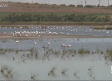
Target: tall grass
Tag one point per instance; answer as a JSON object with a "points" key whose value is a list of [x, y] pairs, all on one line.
{"points": [[53, 53]]}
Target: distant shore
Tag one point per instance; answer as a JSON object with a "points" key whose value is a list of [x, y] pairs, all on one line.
{"points": [[92, 26], [8, 36], [71, 24]]}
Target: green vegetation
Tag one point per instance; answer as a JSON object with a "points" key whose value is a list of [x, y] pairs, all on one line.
{"points": [[53, 23], [4, 14], [83, 51], [52, 17], [56, 18]]}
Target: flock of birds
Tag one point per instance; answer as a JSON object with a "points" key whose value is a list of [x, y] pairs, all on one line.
{"points": [[48, 43], [49, 30]]}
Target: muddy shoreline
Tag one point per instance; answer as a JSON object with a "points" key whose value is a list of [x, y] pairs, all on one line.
{"points": [[8, 36], [94, 26]]}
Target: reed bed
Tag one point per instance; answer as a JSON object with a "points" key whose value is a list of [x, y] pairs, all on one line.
{"points": [[33, 53], [7, 72]]}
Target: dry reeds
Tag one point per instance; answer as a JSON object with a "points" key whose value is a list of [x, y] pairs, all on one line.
{"points": [[64, 72], [33, 76], [52, 72], [7, 72], [75, 74]]}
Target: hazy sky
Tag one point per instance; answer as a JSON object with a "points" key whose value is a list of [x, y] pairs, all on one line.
{"points": [[67, 2]]}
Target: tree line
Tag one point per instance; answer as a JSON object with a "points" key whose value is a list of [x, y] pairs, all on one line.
{"points": [[13, 17]]}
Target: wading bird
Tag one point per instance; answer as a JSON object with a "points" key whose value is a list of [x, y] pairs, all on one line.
{"points": [[48, 43], [17, 41], [35, 43], [68, 45]]}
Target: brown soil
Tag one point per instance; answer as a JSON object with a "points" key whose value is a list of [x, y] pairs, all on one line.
{"points": [[4, 35], [7, 36], [26, 7]]}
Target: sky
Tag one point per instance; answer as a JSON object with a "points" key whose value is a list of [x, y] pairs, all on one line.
{"points": [[67, 2]]}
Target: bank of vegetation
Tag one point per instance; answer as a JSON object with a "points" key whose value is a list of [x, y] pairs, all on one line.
{"points": [[70, 18]]}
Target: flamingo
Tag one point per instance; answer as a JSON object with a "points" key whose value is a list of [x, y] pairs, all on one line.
{"points": [[65, 45], [73, 38], [68, 45], [48, 43], [17, 41], [62, 45], [107, 32], [35, 43], [90, 30]]}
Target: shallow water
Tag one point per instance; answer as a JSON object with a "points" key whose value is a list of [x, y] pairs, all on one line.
{"points": [[60, 30], [87, 43], [87, 67]]}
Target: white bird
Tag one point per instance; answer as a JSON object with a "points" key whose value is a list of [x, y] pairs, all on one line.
{"points": [[107, 32], [62, 45], [35, 43], [73, 38], [17, 41], [65, 45], [48, 43], [90, 30], [68, 45]]}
